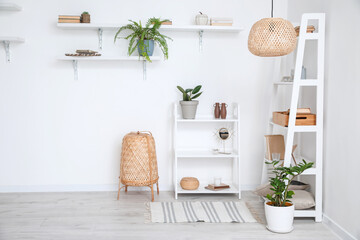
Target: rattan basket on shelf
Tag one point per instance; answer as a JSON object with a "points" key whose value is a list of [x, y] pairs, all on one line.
{"points": [[138, 162], [189, 183]]}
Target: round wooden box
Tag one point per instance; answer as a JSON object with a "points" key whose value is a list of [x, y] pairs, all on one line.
{"points": [[189, 183]]}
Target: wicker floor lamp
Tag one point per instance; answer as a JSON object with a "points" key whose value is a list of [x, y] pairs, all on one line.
{"points": [[138, 162]]}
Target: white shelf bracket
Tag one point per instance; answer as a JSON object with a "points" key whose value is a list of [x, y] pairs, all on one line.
{"points": [[201, 32], [100, 35], [144, 70], [7, 50], [76, 73]]}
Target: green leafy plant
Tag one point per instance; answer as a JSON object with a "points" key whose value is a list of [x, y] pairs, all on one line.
{"points": [[85, 13], [283, 177], [141, 33], [190, 94]]}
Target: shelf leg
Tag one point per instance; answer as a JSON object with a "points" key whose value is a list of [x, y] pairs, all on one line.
{"points": [[7, 50], [76, 73], [144, 70], [100, 35], [201, 40]]}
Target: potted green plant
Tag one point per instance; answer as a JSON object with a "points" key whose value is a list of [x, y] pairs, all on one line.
{"points": [[188, 104], [143, 38], [279, 210], [85, 17]]}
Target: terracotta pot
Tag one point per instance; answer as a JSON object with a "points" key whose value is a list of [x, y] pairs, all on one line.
{"points": [[223, 111], [217, 110]]}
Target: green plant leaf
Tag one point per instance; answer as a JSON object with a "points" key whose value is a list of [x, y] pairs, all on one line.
{"points": [[196, 96], [181, 89], [196, 89]]}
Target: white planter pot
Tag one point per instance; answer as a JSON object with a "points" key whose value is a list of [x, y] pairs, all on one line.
{"points": [[188, 109], [279, 219], [201, 19]]}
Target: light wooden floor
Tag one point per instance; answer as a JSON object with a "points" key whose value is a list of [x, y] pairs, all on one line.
{"points": [[97, 215]]}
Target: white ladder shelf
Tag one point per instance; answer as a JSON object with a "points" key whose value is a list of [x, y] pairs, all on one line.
{"points": [[318, 83]]}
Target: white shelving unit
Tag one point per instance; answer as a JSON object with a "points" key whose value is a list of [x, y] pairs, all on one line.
{"points": [[317, 129], [10, 7], [75, 61], [100, 27], [202, 155], [6, 40]]}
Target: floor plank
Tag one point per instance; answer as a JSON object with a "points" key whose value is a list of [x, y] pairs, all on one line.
{"points": [[98, 215]]}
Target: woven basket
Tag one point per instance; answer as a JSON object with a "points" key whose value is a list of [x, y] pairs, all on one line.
{"points": [[189, 183], [272, 37], [138, 161]]}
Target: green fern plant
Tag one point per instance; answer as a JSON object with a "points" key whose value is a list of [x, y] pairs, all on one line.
{"points": [[141, 33]]}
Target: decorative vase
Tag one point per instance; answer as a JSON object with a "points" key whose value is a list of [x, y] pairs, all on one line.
{"points": [[201, 19], [217, 110], [279, 219], [188, 109], [85, 18], [223, 111], [148, 48]]}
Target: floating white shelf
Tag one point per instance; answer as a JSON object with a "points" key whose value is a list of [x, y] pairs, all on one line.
{"points": [[202, 190], [75, 61], [203, 154], [10, 7], [6, 40], [107, 58], [182, 28], [187, 28], [12, 39]]}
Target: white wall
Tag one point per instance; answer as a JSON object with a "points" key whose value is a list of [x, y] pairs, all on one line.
{"points": [[341, 119], [61, 134]]}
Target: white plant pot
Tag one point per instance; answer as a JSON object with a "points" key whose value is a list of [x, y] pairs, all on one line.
{"points": [[201, 19], [279, 219], [188, 109]]}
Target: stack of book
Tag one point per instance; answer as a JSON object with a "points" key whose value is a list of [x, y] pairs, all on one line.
{"points": [[69, 19], [217, 187], [83, 53], [165, 23], [221, 21]]}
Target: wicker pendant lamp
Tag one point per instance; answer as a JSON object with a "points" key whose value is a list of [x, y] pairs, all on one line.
{"points": [[272, 37]]}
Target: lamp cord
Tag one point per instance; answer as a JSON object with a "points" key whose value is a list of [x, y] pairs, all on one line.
{"points": [[272, 8]]}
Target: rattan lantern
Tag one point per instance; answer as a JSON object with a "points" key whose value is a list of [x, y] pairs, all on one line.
{"points": [[272, 37], [138, 162]]}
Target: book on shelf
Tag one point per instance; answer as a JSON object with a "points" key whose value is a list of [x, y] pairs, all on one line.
{"points": [[227, 21], [69, 17], [221, 24], [214, 187], [69, 20], [167, 23], [87, 51]]}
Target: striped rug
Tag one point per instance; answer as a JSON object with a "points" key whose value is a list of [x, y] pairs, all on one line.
{"points": [[191, 212]]}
